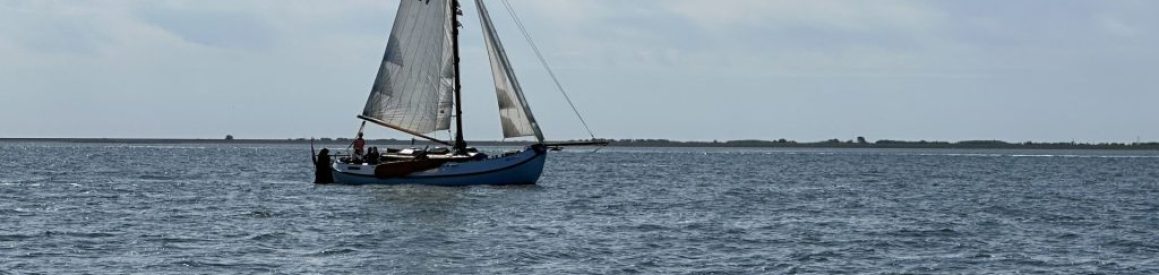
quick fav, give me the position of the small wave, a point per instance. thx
(196, 263)
(333, 252)
(156, 177)
(270, 236)
(649, 228)
(259, 214)
(1133, 245)
(945, 232)
(80, 234)
(981, 256)
(215, 266)
(16, 212)
(823, 256)
(1022, 260)
(161, 237)
(15, 237)
(1067, 236)
(171, 240)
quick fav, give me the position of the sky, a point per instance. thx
(1041, 70)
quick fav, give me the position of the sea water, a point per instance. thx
(223, 208)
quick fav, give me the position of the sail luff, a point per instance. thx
(514, 112)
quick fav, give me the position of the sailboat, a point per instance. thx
(417, 91)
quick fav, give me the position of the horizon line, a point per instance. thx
(776, 140)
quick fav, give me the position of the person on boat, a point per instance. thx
(358, 144)
(322, 173)
(372, 155)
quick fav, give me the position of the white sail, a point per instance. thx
(415, 84)
(514, 113)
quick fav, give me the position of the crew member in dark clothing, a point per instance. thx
(322, 173)
(372, 155)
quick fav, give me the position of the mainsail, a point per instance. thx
(514, 113)
(414, 89)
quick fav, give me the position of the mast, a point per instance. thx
(460, 144)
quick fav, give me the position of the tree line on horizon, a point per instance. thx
(859, 142)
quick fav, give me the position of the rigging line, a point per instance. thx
(543, 61)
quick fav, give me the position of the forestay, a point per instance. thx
(514, 113)
(415, 84)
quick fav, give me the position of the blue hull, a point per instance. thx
(523, 167)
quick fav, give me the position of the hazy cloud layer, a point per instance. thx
(809, 70)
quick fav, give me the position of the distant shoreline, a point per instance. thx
(880, 144)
